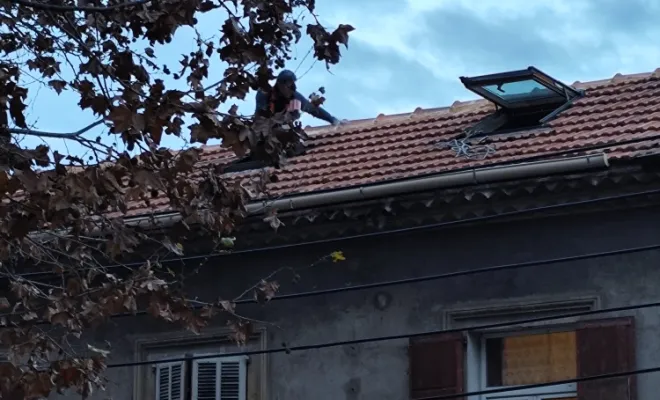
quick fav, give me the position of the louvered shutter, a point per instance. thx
(169, 381)
(603, 347)
(219, 379)
(436, 365)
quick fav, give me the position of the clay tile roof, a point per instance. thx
(407, 145)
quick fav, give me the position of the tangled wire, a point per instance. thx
(463, 147)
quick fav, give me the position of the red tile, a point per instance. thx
(394, 147)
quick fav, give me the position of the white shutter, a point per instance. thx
(233, 379)
(169, 381)
(219, 379)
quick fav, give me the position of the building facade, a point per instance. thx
(476, 360)
(521, 254)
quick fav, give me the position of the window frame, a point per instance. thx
(519, 112)
(562, 92)
(169, 344)
(542, 393)
(514, 311)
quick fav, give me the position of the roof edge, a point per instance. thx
(471, 176)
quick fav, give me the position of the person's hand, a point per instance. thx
(337, 122)
(294, 105)
(293, 109)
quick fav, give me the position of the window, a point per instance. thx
(452, 364)
(526, 359)
(205, 379)
(224, 378)
(521, 89)
(527, 89)
(525, 99)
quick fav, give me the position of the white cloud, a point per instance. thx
(567, 24)
(500, 9)
(398, 31)
(404, 31)
(631, 54)
(372, 79)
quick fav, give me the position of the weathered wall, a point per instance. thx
(379, 370)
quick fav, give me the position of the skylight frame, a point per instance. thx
(564, 92)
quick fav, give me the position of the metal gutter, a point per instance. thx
(473, 176)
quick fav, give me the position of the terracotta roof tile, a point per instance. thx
(407, 145)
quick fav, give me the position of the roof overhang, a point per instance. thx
(465, 177)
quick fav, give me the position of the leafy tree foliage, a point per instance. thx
(61, 213)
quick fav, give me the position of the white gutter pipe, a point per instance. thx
(473, 176)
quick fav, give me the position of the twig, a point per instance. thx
(304, 58)
(55, 7)
(31, 132)
(234, 314)
(256, 285)
(276, 272)
(308, 69)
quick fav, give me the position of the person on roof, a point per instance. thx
(284, 96)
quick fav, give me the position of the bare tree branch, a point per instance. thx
(66, 222)
(70, 135)
(55, 7)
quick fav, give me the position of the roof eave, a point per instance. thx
(468, 177)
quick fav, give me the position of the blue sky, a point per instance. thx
(406, 54)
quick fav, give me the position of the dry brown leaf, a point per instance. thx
(75, 203)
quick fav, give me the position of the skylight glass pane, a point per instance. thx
(521, 90)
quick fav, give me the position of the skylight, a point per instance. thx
(521, 89)
(525, 99)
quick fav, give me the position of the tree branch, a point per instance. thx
(55, 7)
(70, 135)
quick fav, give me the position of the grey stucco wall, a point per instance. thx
(379, 370)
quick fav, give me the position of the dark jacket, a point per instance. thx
(268, 104)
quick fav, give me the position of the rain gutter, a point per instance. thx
(474, 176)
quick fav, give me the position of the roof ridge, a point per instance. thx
(617, 79)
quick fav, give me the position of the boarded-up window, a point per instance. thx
(436, 366)
(604, 347)
(594, 348)
(531, 359)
